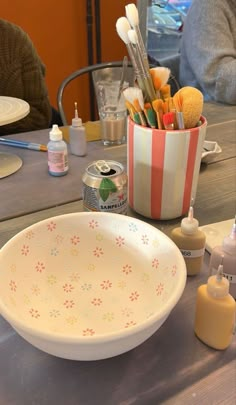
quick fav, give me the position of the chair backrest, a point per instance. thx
(72, 76)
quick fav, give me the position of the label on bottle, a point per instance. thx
(230, 277)
(191, 254)
(57, 161)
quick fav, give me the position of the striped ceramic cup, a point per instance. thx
(163, 169)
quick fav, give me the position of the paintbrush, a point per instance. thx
(160, 76)
(122, 28)
(158, 108)
(122, 79)
(150, 115)
(165, 92)
(148, 89)
(169, 120)
(23, 144)
(133, 18)
(134, 96)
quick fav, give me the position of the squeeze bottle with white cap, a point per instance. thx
(57, 153)
(78, 144)
(215, 312)
(228, 250)
(191, 242)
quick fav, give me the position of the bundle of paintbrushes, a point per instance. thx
(150, 103)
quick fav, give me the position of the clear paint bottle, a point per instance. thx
(78, 143)
(228, 250)
(57, 153)
(191, 242)
(215, 312)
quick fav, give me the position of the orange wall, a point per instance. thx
(59, 32)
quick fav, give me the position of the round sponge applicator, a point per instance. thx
(189, 100)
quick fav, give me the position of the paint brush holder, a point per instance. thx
(163, 169)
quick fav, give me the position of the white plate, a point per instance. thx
(9, 164)
(12, 109)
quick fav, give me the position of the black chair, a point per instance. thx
(82, 71)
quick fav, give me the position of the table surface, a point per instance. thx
(32, 189)
(173, 366)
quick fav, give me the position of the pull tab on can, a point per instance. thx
(102, 166)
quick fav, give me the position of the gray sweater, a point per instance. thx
(208, 51)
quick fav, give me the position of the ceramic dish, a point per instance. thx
(87, 286)
(210, 151)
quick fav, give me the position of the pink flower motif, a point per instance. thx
(134, 296)
(34, 313)
(88, 332)
(128, 324)
(75, 240)
(145, 239)
(106, 284)
(93, 224)
(174, 270)
(160, 288)
(40, 267)
(155, 263)
(13, 285)
(68, 288)
(120, 241)
(96, 302)
(69, 303)
(51, 226)
(25, 250)
(98, 252)
(127, 269)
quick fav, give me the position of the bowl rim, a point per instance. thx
(18, 324)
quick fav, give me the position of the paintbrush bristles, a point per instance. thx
(122, 28)
(161, 75)
(132, 14)
(133, 93)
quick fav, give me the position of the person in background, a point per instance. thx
(208, 49)
(22, 75)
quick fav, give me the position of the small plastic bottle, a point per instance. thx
(78, 144)
(215, 312)
(191, 242)
(57, 153)
(228, 250)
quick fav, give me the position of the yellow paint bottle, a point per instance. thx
(215, 312)
(191, 242)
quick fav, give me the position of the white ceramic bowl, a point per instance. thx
(88, 286)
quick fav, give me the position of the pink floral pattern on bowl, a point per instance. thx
(89, 274)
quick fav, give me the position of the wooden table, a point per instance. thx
(172, 367)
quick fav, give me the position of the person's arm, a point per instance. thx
(209, 41)
(28, 81)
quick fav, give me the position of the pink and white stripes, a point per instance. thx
(163, 169)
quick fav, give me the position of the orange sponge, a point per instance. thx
(190, 101)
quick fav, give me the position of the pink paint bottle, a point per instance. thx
(228, 250)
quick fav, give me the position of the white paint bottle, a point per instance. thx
(77, 142)
(228, 250)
